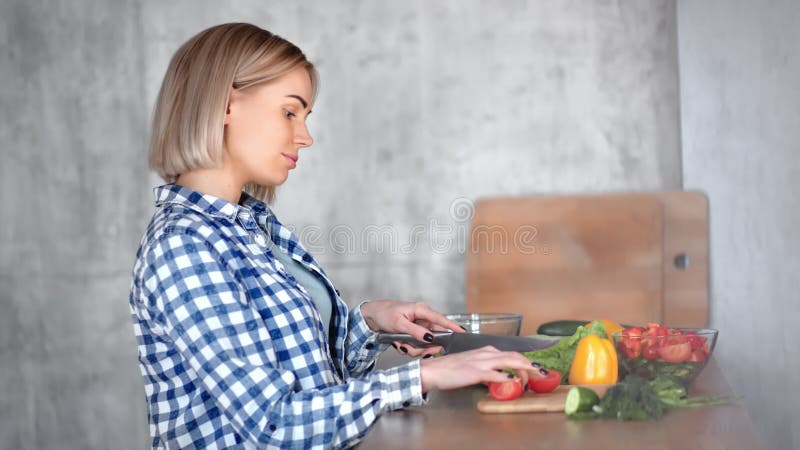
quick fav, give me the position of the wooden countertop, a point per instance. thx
(451, 421)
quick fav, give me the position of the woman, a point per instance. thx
(243, 340)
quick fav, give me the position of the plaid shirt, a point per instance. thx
(233, 351)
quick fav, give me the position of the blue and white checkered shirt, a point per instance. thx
(233, 351)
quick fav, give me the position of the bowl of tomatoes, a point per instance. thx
(656, 350)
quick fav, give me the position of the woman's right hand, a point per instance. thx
(464, 369)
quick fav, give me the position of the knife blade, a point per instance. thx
(461, 342)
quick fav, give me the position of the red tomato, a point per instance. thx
(506, 390)
(544, 380)
(649, 350)
(695, 340)
(698, 355)
(655, 335)
(675, 353)
(631, 344)
(675, 337)
(632, 331)
(630, 347)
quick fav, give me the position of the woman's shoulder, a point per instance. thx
(178, 222)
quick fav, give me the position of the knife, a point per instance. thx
(461, 342)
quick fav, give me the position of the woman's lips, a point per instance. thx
(291, 158)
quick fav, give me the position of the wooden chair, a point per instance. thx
(628, 257)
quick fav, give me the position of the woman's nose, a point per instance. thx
(303, 137)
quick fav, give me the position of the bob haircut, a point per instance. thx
(188, 121)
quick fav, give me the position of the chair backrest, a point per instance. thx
(628, 257)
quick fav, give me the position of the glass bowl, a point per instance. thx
(506, 324)
(681, 354)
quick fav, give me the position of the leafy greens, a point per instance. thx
(560, 355)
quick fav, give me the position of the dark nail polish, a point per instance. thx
(543, 372)
(403, 349)
(536, 365)
(525, 388)
(395, 347)
(428, 337)
(427, 356)
(462, 328)
(510, 376)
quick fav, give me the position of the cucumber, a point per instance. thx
(560, 327)
(580, 401)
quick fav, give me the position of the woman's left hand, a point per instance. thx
(414, 318)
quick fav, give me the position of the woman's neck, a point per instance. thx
(214, 182)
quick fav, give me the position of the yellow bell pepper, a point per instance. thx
(611, 327)
(595, 362)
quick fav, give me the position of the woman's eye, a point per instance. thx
(288, 114)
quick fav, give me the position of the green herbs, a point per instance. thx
(674, 395)
(634, 398)
(560, 355)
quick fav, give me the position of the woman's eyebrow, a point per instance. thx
(301, 99)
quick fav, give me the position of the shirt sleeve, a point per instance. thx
(198, 304)
(361, 345)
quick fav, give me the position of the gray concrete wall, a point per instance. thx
(422, 104)
(740, 116)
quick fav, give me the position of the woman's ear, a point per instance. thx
(227, 119)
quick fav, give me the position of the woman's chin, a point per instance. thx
(273, 181)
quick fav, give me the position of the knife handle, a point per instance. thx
(388, 338)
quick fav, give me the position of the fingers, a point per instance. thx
(414, 352)
(400, 347)
(483, 365)
(429, 351)
(424, 312)
(494, 362)
(420, 333)
(425, 320)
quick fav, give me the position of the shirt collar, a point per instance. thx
(216, 207)
(203, 203)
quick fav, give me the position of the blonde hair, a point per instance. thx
(188, 129)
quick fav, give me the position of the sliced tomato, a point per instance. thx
(649, 350)
(695, 340)
(630, 347)
(676, 353)
(632, 332)
(698, 355)
(506, 390)
(675, 337)
(631, 344)
(656, 331)
(544, 380)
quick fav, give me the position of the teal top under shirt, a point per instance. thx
(312, 284)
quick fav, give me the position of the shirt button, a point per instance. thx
(260, 240)
(272, 427)
(406, 404)
(369, 346)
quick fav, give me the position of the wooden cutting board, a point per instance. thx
(531, 402)
(598, 256)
